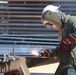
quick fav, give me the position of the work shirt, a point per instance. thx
(68, 59)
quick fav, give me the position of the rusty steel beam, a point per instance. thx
(21, 16)
(11, 66)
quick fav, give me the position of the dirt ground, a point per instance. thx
(47, 67)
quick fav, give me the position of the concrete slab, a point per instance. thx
(44, 68)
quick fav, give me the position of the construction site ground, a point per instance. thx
(43, 67)
(47, 67)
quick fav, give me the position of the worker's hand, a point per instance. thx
(64, 46)
(46, 53)
(70, 40)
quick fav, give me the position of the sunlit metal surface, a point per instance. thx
(3, 1)
(26, 45)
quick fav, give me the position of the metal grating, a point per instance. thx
(21, 27)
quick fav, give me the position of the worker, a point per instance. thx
(53, 17)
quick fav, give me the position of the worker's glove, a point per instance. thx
(70, 40)
(47, 53)
(65, 44)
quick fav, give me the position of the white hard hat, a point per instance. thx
(49, 13)
(50, 8)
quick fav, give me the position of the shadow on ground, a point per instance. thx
(39, 62)
(42, 74)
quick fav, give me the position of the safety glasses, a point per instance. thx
(48, 25)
